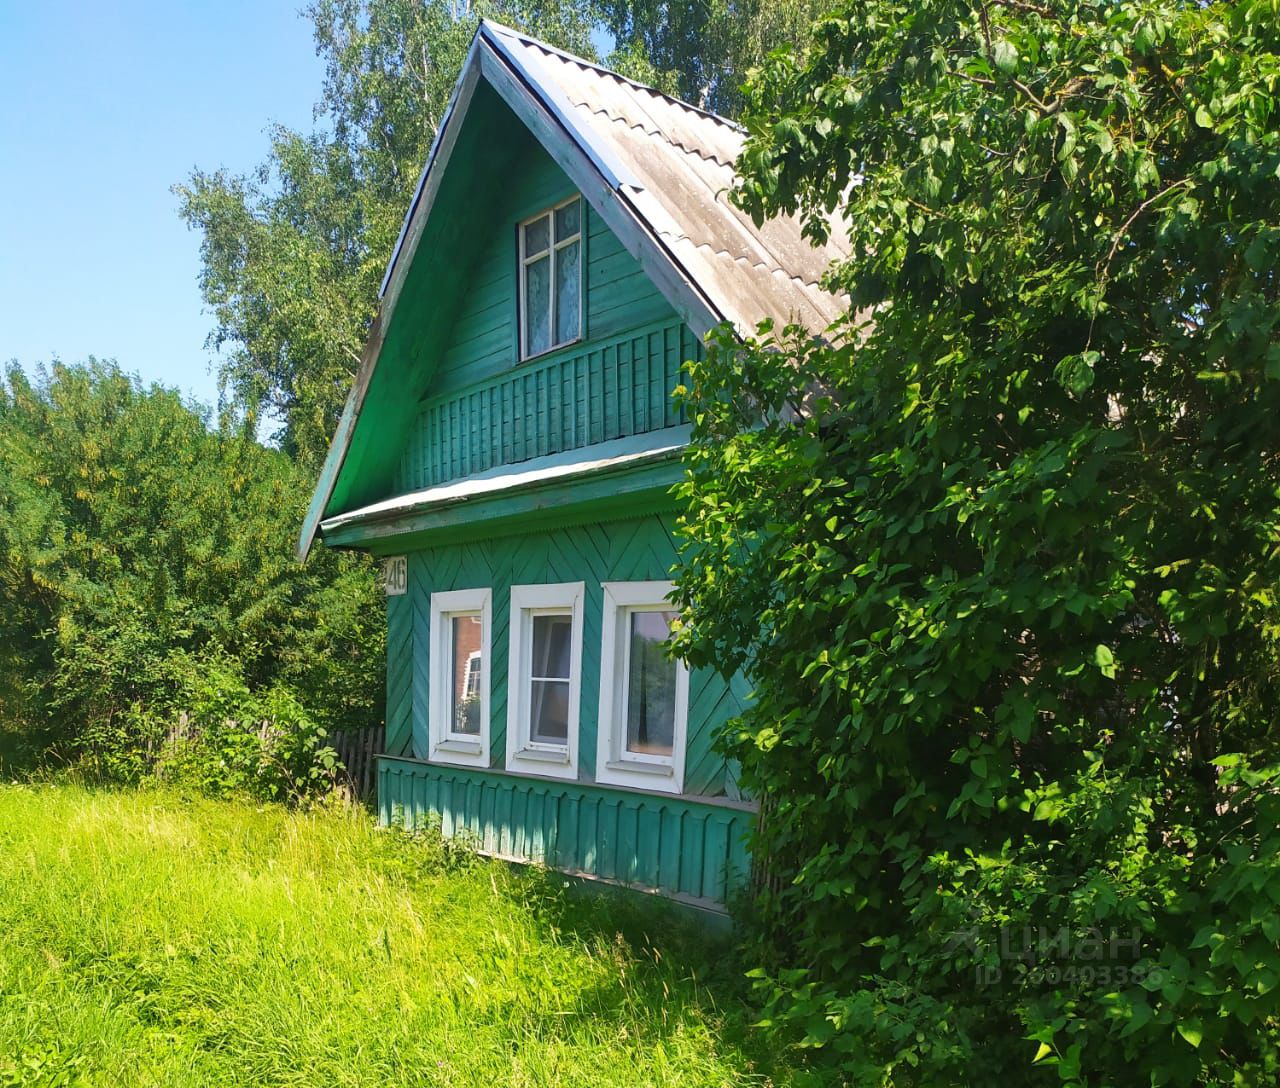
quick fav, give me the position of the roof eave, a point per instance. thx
(628, 489)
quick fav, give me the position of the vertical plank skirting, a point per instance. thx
(675, 845)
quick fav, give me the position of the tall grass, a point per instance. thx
(151, 939)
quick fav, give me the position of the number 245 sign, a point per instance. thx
(395, 575)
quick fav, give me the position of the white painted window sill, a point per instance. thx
(460, 747)
(624, 766)
(542, 755)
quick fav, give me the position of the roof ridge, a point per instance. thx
(582, 62)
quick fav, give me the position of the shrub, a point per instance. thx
(138, 540)
(231, 741)
(1001, 555)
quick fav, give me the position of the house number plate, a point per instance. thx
(395, 575)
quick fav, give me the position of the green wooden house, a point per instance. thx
(508, 447)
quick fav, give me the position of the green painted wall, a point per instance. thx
(638, 549)
(681, 847)
(483, 341)
(481, 409)
(572, 398)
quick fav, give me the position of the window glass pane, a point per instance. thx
(568, 284)
(651, 685)
(465, 662)
(549, 706)
(537, 306)
(537, 236)
(567, 220)
(551, 643)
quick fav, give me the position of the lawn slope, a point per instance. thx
(147, 939)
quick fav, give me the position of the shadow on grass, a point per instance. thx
(672, 971)
(677, 970)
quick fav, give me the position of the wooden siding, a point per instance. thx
(670, 844)
(400, 663)
(573, 398)
(482, 409)
(483, 341)
(636, 549)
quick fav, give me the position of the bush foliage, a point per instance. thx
(147, 568)
(1003, 556)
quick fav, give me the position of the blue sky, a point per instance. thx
(104, 106)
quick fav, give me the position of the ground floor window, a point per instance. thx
(458, 713)
(644, 694)
(544, 678)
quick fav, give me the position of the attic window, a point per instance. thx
(551, 278)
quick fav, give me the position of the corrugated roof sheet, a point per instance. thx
(675, 167)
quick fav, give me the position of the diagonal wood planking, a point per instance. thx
(674, 844)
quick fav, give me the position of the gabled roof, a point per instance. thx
(656, 170)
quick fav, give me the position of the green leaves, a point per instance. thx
(1075, 373)
(1192, 1031)
(1033, 556)
(1005, 56)
(1105, 660)
(137, 540)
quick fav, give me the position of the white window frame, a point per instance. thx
(446, 746)
(471, 675)
(556, 244)
(523, 753)
(615, 766)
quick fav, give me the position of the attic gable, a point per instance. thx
(654, 170)
(673, 165)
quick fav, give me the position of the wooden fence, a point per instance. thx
(358, 750)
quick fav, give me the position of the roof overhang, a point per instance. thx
(621, 478)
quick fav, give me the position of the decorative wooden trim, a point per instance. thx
(613, 767)
(490, 422)
(444, 745)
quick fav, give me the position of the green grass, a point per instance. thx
(150, 939)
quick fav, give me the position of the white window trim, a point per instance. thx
(469, 673)
(446, 746)
(614, 765)
(556, 244)
(551, 760)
